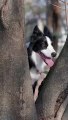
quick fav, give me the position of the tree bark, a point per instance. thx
(55, 89)
(53, 17)
(16, 96)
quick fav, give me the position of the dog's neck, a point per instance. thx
(40, 26)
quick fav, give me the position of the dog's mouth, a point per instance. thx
(49, 61)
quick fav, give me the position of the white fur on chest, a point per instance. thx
(40, 64)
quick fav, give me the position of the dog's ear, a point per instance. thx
(36, 31)
(35, 34)
(48, 33)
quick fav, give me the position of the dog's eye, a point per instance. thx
(52, 43)
(46, 44)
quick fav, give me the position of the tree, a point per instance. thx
(53, 98)
(16, 97)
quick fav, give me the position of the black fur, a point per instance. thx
(38, 42)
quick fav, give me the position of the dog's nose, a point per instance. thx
(53, 54)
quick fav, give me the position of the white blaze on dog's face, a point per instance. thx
(49, 51)
(43, 46)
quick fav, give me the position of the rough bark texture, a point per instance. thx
(55, 84)
(16, 97)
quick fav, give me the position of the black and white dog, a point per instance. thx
(41, 54)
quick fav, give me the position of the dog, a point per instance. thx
(41, 54)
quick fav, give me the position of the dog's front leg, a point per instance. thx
(39, 82)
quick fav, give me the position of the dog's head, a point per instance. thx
(42, 44)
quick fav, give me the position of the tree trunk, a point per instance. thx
(53, 17)
(16, 97)
(55, 90)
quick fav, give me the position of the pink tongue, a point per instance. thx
(49, 62)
